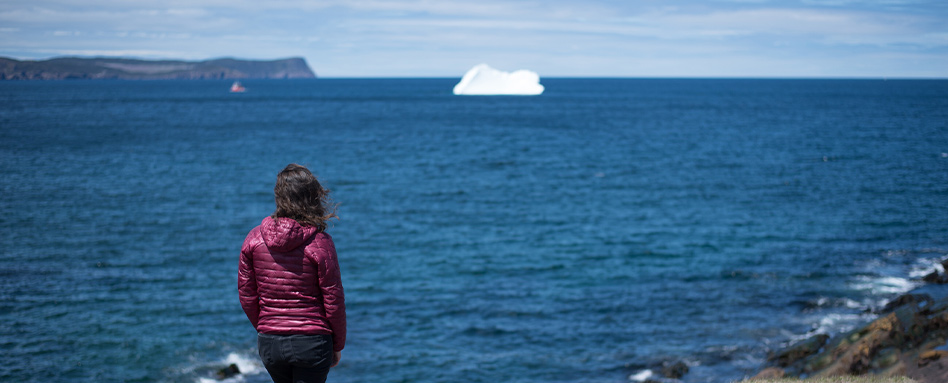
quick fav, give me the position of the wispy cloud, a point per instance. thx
(427, 37)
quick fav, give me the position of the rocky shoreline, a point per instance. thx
(907, 339)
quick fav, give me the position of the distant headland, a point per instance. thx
(131, 69)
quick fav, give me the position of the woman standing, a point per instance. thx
(289, 282)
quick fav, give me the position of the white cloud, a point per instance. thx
(824, 25)
(821, 27)
(430, 37)
(143, 53)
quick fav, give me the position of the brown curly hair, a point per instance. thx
(300, 196)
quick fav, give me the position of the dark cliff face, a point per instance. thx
(128, 69)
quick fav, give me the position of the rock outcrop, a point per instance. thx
(907, 339)
(674, 370)
(128, 69)
(228, 372)
(936, 277)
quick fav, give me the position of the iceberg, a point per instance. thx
(483, 80)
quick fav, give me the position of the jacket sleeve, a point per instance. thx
(247, 280)
(330, 285)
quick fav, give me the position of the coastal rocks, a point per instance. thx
(876, 348)
(936, 277)
(908, 339)
(228, 372)
(800, 350)
(921, 300)
(930, 356)
(674, 370)
(670, 372)
(770, 373)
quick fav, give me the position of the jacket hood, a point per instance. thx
(284, 234)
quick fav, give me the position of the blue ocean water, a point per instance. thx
(584, 235)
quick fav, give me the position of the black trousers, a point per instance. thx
(296, 358)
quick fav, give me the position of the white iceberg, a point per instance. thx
(483, 80)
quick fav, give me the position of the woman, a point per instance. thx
(289, 282)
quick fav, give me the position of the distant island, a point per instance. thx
(131, 69)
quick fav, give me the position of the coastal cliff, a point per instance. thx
(131, 69)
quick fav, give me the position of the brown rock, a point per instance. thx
(929, 356)
(885, 358)
(908, 341)
(770, 373)
(937, 321)
(936, 371)
(855, 356)
(931, 344)
(800, 350)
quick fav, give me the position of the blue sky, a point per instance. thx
(444, 38)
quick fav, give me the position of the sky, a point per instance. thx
(445, 38)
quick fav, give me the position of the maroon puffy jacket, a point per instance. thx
(289, 283)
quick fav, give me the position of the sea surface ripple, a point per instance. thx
(584, 235)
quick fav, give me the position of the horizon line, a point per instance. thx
(676, 77)
(644, 77)
(783, 78)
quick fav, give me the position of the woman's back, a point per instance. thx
(294, 269)
(289, 282)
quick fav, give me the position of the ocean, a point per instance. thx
(589, 234)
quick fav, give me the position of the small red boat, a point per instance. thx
(237, 88)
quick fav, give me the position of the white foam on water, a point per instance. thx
(925, 266)
(482, 80)
(884, 285)
(834, 323)
(851, 304)
(233, 379)
(641, 376)
(248, 365)
(829, 324)
(826, 302)
(878, 291)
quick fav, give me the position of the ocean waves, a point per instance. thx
(604, 229)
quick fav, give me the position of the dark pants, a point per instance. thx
(296, 358)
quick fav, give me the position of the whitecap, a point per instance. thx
(835, 323)
(851, 304)
(884, 285)
(641, 376)
(247, 365)
(925, 266)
